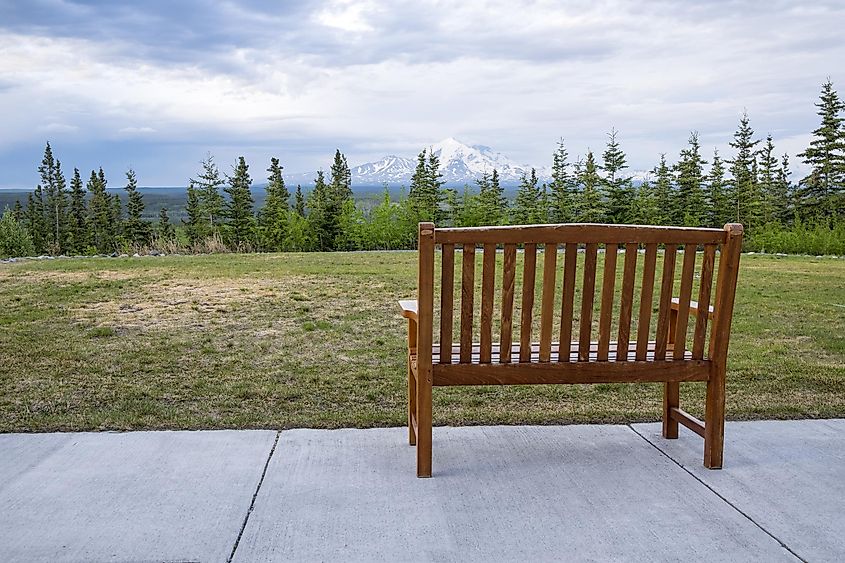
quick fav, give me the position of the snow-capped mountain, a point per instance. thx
(459, 163)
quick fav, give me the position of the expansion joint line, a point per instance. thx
(715, 492)
(254, 496)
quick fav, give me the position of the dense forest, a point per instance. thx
(752, 187)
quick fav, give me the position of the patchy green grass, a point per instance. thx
(293, 340)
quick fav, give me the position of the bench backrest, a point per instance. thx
(646, 295)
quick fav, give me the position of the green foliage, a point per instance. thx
(816, 238)
(744, 193)
(210, 204)
(240, 222)
(590, 206)
(272, 219)
(563, 187)
(492, 203)
(822, 192)
(426, 192)
(164, 229)
(527, 208)
(54, 202)
(78, 219)
(617, 187)
(299, 205)
(718, 211)
(136, 230)
(690, 174)
(100, 214)
(644, 210)
(14, 237)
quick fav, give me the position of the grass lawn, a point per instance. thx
(316, 340)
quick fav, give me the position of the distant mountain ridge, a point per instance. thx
(459, 163)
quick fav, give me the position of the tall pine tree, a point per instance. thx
(238, 210)
(744, 192)
(77, 221)
(527, 208)
(617, 187)
(135, 229)
(590, 204)
(272, 219)
(690, 174)
(562, 187)
(822, 192)
(718, 204)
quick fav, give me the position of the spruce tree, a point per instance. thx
(718, 204)
(77, 221)
(238, 209)
(320, 214)
(211, 202)
(341, 178)
(426, 192)
(562, 187)
(664, 193)
(17, 211)
(272, 219)
(34, 222)
(590, 205)
(822, 192)
(690, 178)
(617, 187)
(136, 229)
(645, 211)
(773, 201)
(116, 219)
(784, 191)
(54, 201)
(100, 232)
(164, 229)
(299, 201)
(194, 214)
(744, 193)
(527, 207)
(492, 203)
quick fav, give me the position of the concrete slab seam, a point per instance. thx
(712, 490)
(254, 496)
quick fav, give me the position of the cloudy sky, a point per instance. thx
(157, 84)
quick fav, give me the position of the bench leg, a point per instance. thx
(671, 399)
(714, 419)
(423, 421)
(412, 382)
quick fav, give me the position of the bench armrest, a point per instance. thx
(693, 307)
(409, 308)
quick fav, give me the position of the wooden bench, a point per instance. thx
(680, 350)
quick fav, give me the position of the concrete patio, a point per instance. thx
(498, 493)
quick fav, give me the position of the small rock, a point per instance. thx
(124, 256)
(136, 255)
(155, 253)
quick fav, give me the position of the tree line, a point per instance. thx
(753, 187)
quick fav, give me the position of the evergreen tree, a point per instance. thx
(14, 238)
(617, 187)
(426, 187)
(492, 203)
(100, 232)
(718, 204)
(744, 193)
(195, 215)
(322, 214)
(773, 201)
(784, 191)
(341, 183)
(469, 210)
(590, 205)
(17, 212)
(562, 187)
(272, 219)
(77, 221)
(238, 209)
(822, 192)
(34, 222)
(211, 203)
(165, 229)
(664, 193)
(645, 211)
(136, 229)
(527, 205)
(54, 201)
(690, 169)
(299, 202)
(116, 224)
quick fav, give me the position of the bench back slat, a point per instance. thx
(567, 305)
(508, 282)
(547, 307)
(705, 283)
(529, 272)
(607, 295)
(662, 335)
(626, 305)
(646, 300)
(488, 279)
(585, 322)
(447, 301)
(467, 296)
(687, 273)
(580, 233)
